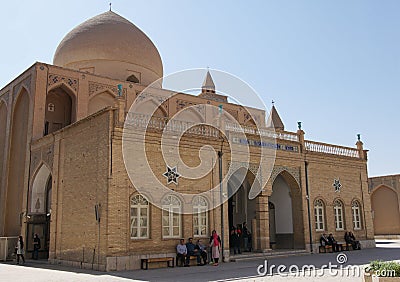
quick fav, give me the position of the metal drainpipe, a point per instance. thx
(308, 207)
(220, 153)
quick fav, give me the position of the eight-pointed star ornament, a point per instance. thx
(172, 175)
(337, 185)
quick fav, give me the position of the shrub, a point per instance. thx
(384, 268)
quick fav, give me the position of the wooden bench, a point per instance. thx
(146, 261)
(192, 258)
(347, 247)
(324, 249)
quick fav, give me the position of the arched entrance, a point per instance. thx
(40, 211)
(60, 109)
(286, 214)
(240, 208)
(385, 208)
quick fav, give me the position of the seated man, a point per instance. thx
(333, 243)
(203, 251)
(181, 253)
(355, 243)
(323, 240)
(191, 251)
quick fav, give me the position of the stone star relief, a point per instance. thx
(172, 175)
(337, 185)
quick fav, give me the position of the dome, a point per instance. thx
(111, 46)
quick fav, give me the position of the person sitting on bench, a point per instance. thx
(192, 251)
(332, 242)
(355, 243)
(323, 241)
(181, 253)
(203, 251)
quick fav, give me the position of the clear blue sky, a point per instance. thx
(334, 65)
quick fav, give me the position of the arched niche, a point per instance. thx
(385, 208)
(60, 109)
(16, 173)
(3, 138)
(38, 195)
(100, 101)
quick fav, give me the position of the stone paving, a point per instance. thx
(34, 271)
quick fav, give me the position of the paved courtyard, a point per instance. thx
(235, 271)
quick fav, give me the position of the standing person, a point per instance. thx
(215, 243)
(246, 233)
(235, 241)
(20, 249)
(36, 246)
(181, 252)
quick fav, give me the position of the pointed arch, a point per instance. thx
(150, 106)
(38, 191)
(63, 86)
(3, 139)
(100, 101)
(60, 108)
(21, 91)
(287, 198)
(189, 114)
(385, 210)
(17, 162)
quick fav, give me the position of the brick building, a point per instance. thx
(385, 204)
(63, 172)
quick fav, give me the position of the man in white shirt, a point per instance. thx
(181, 252)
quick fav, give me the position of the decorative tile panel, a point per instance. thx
(55, 78)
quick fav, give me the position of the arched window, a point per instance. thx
(338, 211)
(356, 211)
(139, 217)
(319, 215)
(171, 217)
(200, 216)
(133, 78)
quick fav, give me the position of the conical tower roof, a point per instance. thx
(208, 83)
(274, 120)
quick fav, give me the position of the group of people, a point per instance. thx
(20, 250)
(198, 250)
(331, 241)
(239, 235)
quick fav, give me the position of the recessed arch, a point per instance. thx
(60, 108)
(38, 194)
(189, 114)
(150, 106)
(100, 101)
(17, 161)
(287, 200)
(385, 209)
(3, 131)
(133, 78)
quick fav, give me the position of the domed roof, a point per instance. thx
(110, 45)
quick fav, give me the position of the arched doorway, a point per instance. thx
(241, 209)
(385, 208)
(285, 214)
(60, 109)
(40, 211)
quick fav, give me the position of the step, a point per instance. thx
(268, 254)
